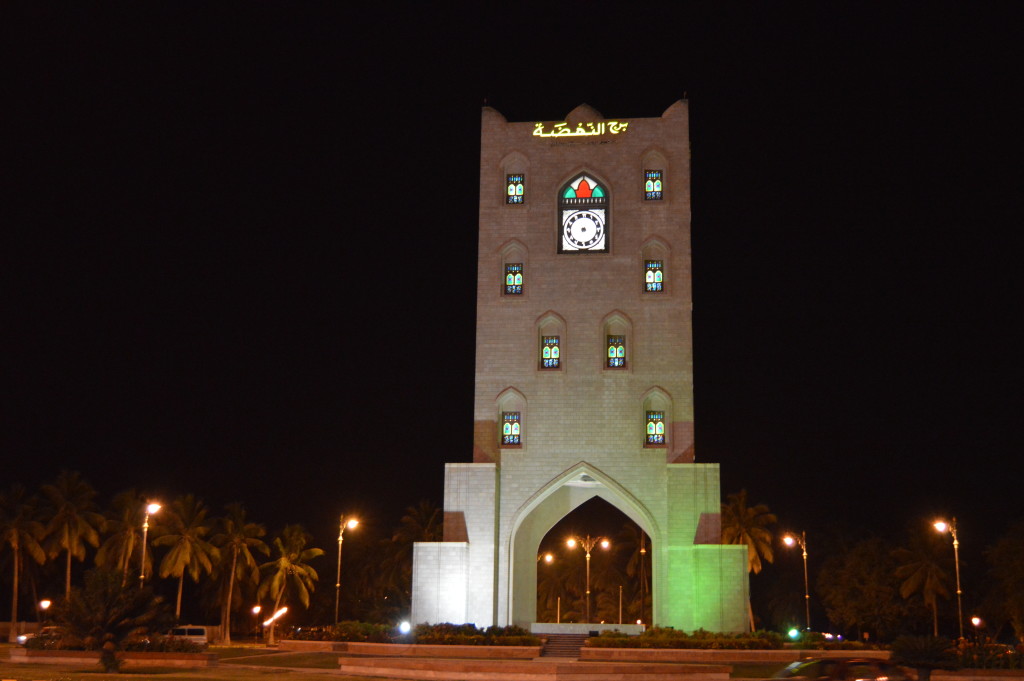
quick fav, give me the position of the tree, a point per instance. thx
(236, 540)
(184, 528)
(1006, 558)
(422, 522)
(73, 521)
(743, 524)
(105, 616)
(22, 533)
(123, 535)
(920, 572)
(635, 541)
(859, 588)
(289, 569)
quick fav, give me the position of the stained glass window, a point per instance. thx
(550, 355)
(652, 185)
(514, 189)
(513, 278)
(616, 352)
(655, 428)
(510, 428)
(654, 276)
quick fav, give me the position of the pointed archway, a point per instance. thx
(620, 571)
(566, 492)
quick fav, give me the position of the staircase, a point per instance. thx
(563, 645)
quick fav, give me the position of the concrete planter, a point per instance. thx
(131, 660)
(415, 650)
(692, 655)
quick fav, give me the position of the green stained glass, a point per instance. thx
(570, 193)
(598, 192)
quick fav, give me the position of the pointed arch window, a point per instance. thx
(616, 352)
(511, 429)
(655, 429)
(583, 216)
(654, 276)
(652, 185)
(515, 188)
(550, 352)
(513, 278)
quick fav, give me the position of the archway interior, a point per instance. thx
(626, 563)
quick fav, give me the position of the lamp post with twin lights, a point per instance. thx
(588, 543)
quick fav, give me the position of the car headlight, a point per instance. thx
(22, 638)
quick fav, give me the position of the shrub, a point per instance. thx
(657, 637)
(468, 635)
(924, 653)
(989, 655)
(361, 632)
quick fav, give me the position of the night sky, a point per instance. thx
(239, 245)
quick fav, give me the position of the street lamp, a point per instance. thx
(350, 523)
(588, 544)
(793, 540)
(150, 510)
(943, 526)
(256, 620)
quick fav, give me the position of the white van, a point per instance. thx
(191, 632)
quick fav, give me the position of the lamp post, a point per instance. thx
(350, 523)
(588, 544)
(943, 526)
(256, 622)
(793, 540)
(150, 510)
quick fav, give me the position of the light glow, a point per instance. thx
(277, 614)
(941, 525)
(404, 627)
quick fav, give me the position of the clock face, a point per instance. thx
(583, 230)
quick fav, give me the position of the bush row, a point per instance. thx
(657, 637)
(436, 634)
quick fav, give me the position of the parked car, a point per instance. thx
(842, 669)
(191, 632)
(49, 631)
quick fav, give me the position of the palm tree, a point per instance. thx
(237, 539)
(123, 534)
(20, 531)
(743, 524)
(289, 568)
(184, 529)
(422, 522)
(921, 572)
(635, 541)
(73, 520)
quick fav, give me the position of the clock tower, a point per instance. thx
(584, 375)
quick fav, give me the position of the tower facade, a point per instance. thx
(584, 373)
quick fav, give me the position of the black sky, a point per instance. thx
(239, 247)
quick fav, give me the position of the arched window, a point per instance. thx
(583, 216)
(657, 410)
(551, 336)
(616, 329)
(654, 254)
(513, 268)
(511, 408)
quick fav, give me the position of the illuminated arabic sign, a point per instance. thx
(582, 129)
